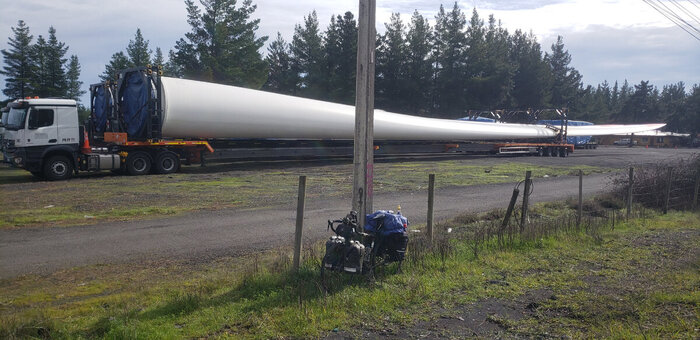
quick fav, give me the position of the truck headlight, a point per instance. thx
(18, 160)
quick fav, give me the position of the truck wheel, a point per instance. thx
(138, 163)
(58, 168)
(540, 152)
(167, 162)
(563, 152)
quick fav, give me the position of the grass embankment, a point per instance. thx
(637, 280)
(104, 197)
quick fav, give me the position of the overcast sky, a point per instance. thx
(608, 39)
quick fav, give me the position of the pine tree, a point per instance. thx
(566, 80)
(692, 107)
(418, 65)
(171, 69)
(55, 60)
(308, 58)
(137, 50)
(496, 80)
(17, 69)
(672, 106)
(341, 58)
(118, 62)
(449, 46)
(222, 46)
(531, 80)
(475, 60)
(642, 105)
(74, 85)
(158, 59)
(391, 66)
(281, 77)
(40, 67)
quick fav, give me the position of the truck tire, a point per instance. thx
(564, 152)
(58, 168)
(138, 163)
(167, 162)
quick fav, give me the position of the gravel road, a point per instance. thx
(209, 234)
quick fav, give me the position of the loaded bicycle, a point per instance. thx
(354, 250)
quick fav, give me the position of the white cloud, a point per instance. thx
(94, 30)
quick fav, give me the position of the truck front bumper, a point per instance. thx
(18, 158)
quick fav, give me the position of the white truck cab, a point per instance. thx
(42, 136)
(3, 120)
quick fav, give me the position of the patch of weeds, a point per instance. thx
(589, 289)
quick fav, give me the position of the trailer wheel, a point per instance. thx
(167, 162)
(540, 151)
(563, 152)
(58, 168)
(138, 163)
(554, 152)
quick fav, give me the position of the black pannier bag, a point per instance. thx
(394, 245)
(335, 252)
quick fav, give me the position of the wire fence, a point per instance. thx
(671, 186)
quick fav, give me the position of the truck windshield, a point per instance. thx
(15, 119)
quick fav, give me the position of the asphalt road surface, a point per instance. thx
(211, 234)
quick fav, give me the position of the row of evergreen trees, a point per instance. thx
(39, 68)
(441, 71)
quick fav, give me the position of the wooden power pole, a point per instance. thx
(363, 161)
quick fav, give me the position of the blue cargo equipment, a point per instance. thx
(478, 119)
(134, 103)
(102, 106)
(570, 140)
(386, 222)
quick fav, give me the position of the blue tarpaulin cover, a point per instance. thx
(393, 223)
(571, 140)
(134, 104)
(102, 105)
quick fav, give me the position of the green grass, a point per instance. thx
(638, 282)
(10, 175)
(93, 199)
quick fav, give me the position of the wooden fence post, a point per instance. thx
(431, 201)
(629, 193)
(668, 190)
(526, 200)
(580, 198)
(511, 206)
(300, 222)
(696, 193)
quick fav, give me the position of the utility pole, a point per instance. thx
(363, 161)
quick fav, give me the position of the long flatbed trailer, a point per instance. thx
(539, 149)
(289, 149)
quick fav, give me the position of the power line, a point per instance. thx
(669, 17)
(678, 17)
(686, 11)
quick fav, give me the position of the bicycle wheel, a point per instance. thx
(377, 263)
